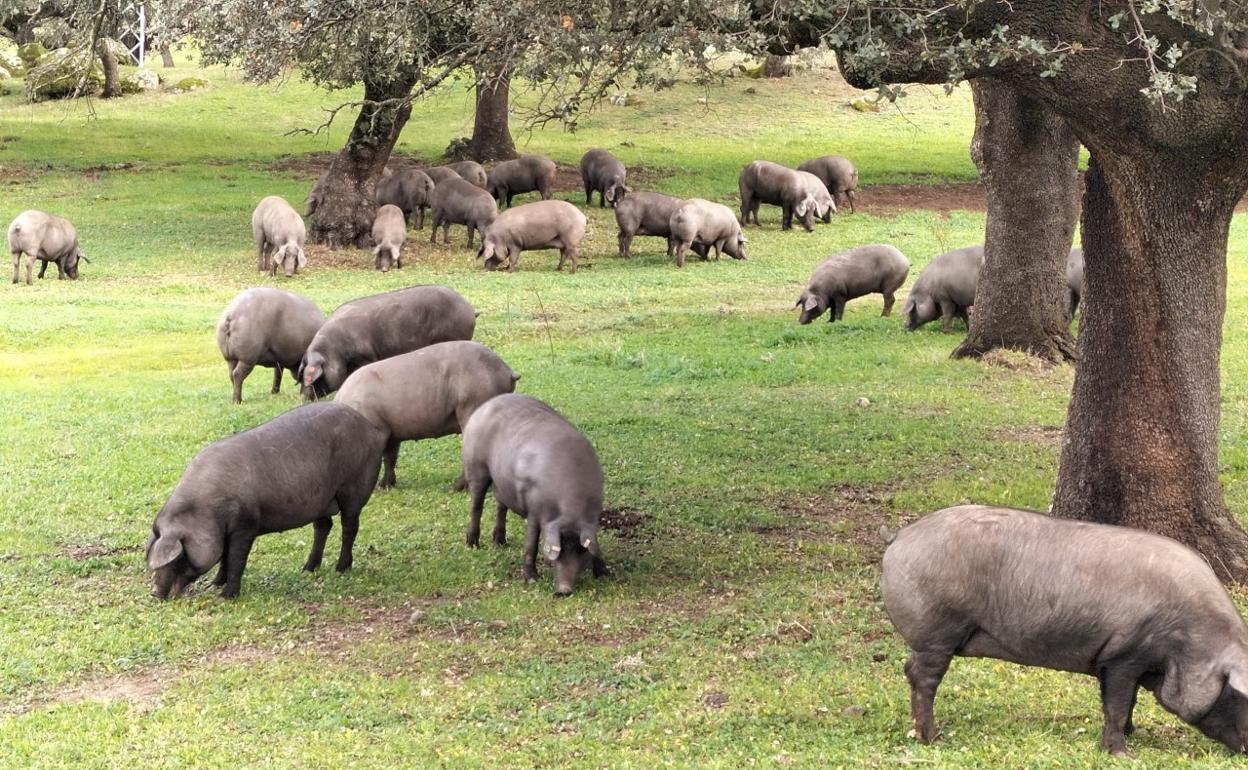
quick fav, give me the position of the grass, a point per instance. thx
(742, 628)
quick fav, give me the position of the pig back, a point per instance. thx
(396, 322)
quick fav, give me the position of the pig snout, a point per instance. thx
(567, 569)
(168, 583)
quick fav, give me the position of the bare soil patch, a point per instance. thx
(626, 523)
(1030, 434)
(946, 197)
(84, 551)
(854, 515)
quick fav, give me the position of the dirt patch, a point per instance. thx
(84, 551)
(626, 523)
(854, 515)
(16, 175)
(715, 700)
(1030, 434)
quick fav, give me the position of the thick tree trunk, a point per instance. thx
(341, 205)
(112, 75)
(166, 56)
(1028, 162)
(1141, 446)
(491, 134)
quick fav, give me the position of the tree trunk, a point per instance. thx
(491, 135)
(775, 66)
(166, 56)
(1141, 445)
(1028, 162)
(342, 205)
(112, 76)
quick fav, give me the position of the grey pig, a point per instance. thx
(389, 233)
(458, 201)
(427, 393)
(851, 274)
(533, 226)
(471, 171)
(266, 327)
(603, 172)
(372, 328)
(838, 175)
(279, 234)
(46, 238)
(440, 174)
(1074, 278)
(765, 182)
(645, 213)
(408, 189)
(301, 467)
(528, 173)
(1131, 608)
(545, 470)
(701, 223)
(945, 289)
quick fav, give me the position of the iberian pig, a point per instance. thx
(701, 225)
(266, 327)
(604, 173)
(533, 226)
(645, 213)
(46, 238)
(945, 289)
(528, 173)
(389, 233)
(765, 182)
(458, 201)
(471, 171)
(838, 175)
(427, 393)
(1129, 607)
(409, 189)
(545, 470)
(851, 274)
(372, 328)
(279, 234)
(301, 467)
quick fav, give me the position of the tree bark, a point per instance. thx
(776, 66)
(1141, 443)
(166, 56)
(112, 75)
(491, 134)
(342, 205)
(1028, 162)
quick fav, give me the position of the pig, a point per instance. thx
(839, 177)
(300, 468)
(266, 327)
(603, 172)
(372, 328)
(46, 238)
(645, 213)
(765, 182)
(1074, 278)
(524, 174)
(458, 201)
(279, 233)
(851, 274)
(1131, 608)
(545, 470)
(427, 393)
(533, 226)
(408, 189)
(389, 233)
(440, 174)
(471, 171)
(699, 222)
(945, 289)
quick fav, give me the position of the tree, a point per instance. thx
(491, 132)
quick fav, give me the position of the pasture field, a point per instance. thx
(745, 487)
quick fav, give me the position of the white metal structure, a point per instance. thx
(134, 28)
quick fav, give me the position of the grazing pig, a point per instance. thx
(383, 325)
(471, 171)
(1074, 278)
(458, 201)
(46, 238)
(1131, 608)
(533, 226)
(408, 189)
(603, 172)
(702, 225)
(524, 174)
(279, 233)
(544, 469)
(765, 182)
(851, 274)
(427, 393)
(838, 175)
(645, 213)
(440, 174)
(299, 468)
(266, 327)
(389, 233)
(945, 289)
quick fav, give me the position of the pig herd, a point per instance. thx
(1132, 609)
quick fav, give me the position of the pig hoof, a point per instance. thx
(229, 592)
(342, 566)
(500, 540)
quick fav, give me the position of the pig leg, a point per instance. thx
(471, 231)
(531, 533)
(947, 312)
(838, 308)
(237, 375)
(746, 202)
(786, 219)
(219, 580)
(43, 268)
(1119, 687)
(420, 217)
(350, 526)
(389, 457)
(320, 533)
(888, 303)
(626, 242)
(277, 380)
(433, 235)
(849, 196)
(589, 193)
(17, 262)
(680, 253)
(30, 267)
(924, 670)
(500, 524)
(473, 536)
(237, 551)
(671, 245)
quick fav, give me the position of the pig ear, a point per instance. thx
(1237, 680)
(163, 551)
(801, 207)
(811, 303)
(589, 541)
(551, 536)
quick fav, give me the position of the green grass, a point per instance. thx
(742, 626)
